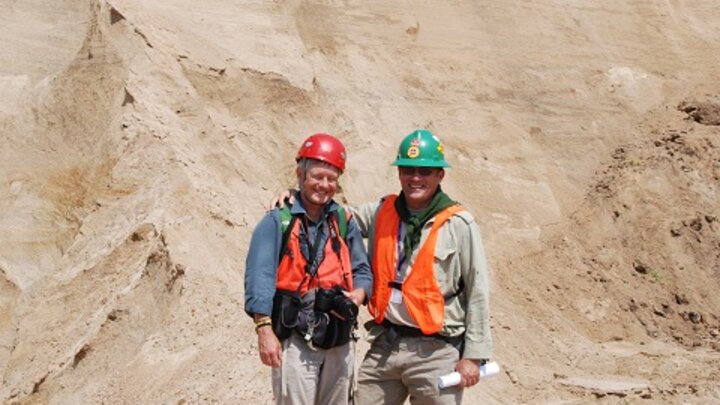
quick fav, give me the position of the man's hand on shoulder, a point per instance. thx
(280, 199)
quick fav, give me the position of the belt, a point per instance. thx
(409, 331)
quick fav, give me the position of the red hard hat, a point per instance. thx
(325, 148)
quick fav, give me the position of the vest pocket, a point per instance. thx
(286, 306)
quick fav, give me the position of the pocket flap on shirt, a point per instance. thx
(442, 253)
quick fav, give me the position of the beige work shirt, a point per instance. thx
(459, 255)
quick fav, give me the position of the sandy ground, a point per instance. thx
(140, 142)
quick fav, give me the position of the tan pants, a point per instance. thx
(408, 366)
(310, 376)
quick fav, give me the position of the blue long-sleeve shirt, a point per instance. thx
(264, 255)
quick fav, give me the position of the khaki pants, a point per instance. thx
(408, 366)
(310, 376)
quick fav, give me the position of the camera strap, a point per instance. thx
(313, 248)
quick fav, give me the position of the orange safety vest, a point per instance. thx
(333, 270)
(420, 290)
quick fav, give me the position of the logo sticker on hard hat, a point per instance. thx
(441, 149)
(415, 142)
(413, 152)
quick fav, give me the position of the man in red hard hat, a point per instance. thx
(306, 274)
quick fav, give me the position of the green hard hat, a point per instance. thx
(421, 149)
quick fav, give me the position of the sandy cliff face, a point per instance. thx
(141, 141)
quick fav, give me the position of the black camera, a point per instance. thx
(333, 299)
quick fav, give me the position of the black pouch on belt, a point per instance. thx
(332, 333)
(286, 305)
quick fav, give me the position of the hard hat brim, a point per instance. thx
(420, 163)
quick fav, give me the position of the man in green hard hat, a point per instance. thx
(430, 300)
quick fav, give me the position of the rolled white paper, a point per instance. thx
(449, 380)
(489, 369)
(486, 370)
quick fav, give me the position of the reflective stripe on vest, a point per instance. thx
(420, 290)
(332, 271)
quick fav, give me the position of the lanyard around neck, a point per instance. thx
(313, 248)
(401, 253)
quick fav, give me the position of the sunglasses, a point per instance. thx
(422, 171)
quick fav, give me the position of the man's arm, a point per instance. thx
(261, 265)
(478, 342)
(260, 273)
(362, 276)
(364, 214)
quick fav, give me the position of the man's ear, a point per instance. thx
(441, 174)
